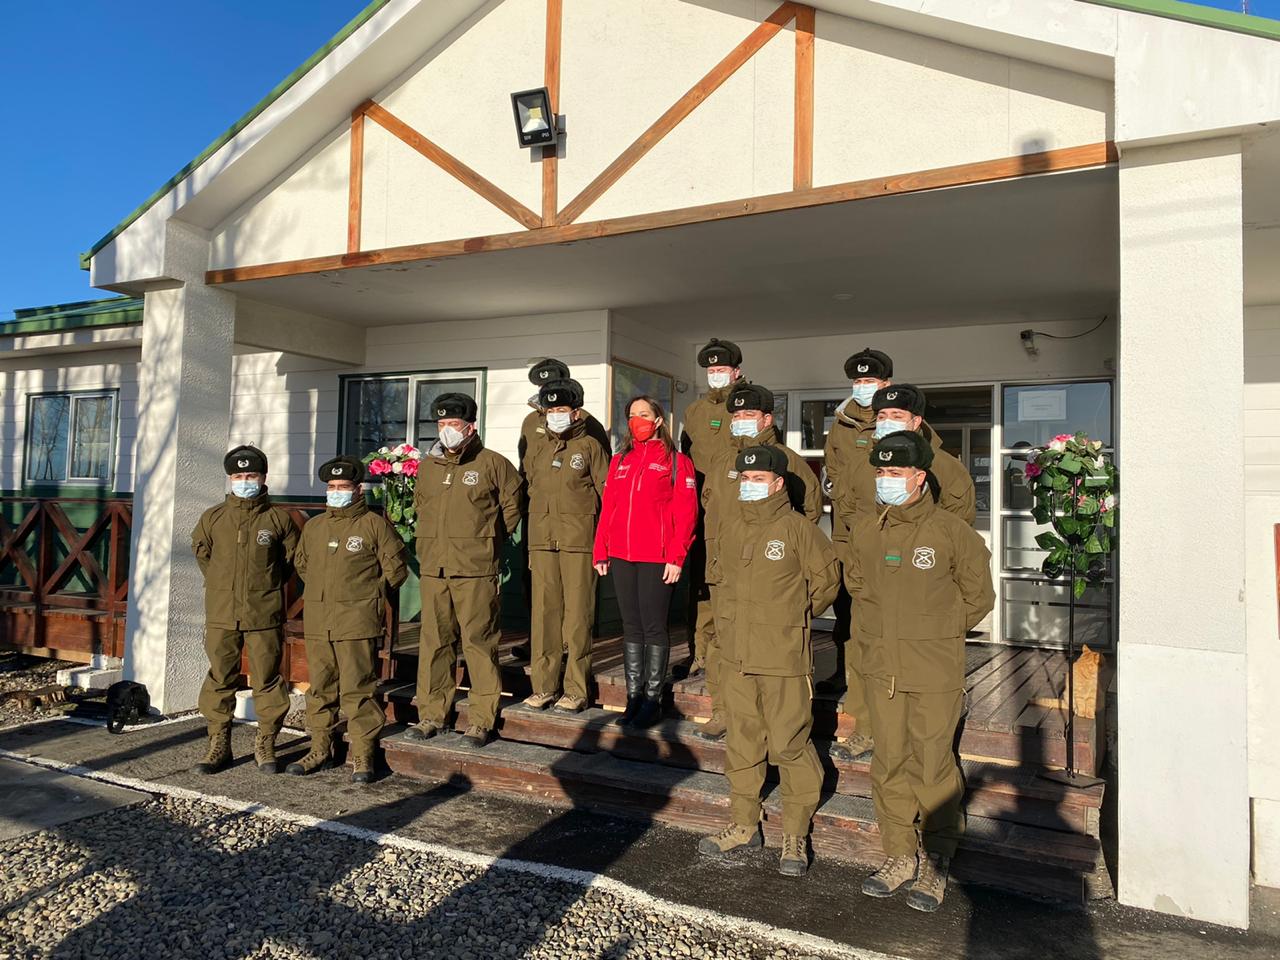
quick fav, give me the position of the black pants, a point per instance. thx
(643, 600)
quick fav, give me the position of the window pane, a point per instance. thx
(376, 415)
(980, 466)
(91, 439)
(816, 418)
(1034, 415)
(1036, 611)
(47, 439)
(629, 382)
(425, 432)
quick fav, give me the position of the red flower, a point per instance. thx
(410, 468)
(378, 467)
(1033, 470)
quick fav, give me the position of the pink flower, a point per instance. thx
(1033, 470)
(1063, 437)
(410, 468)
(378, 467)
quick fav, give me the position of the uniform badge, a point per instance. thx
(749, 458)
(577, 461)
(242, 463)
(891, 395)
(863, 368)
(733, 474)
(355, 544)
(775, 550)
(923, 558)
(885, 455)
(713, 360)
(471, 478)
(739, 401)
(544, 374)
(264, 538)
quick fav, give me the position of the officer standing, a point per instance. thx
(542, 374)
(749, 409)
(776, 572)
(565, 469)
(345, 557)
(921, 579)
(848, 443)
(468, 501)
(704, 437)
(244, 547)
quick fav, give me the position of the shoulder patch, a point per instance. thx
(775, 550)
(265, 537)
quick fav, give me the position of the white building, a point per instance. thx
(931, 179)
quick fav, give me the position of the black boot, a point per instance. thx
(633, 671)
(655, 678)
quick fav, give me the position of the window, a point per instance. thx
(70, 437)
(383, 411)
(631, 380)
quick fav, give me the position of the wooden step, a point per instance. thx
(1021, 858)
(1012, 793)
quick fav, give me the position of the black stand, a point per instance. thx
(1070, 776)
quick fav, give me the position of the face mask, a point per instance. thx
(863, 392)
(642, 429)
(339, 498)
(559, 422)
(246, 489)
(744, 428)
(752, 490)
(886, 427)
(893, 491)
(452, 437)
(718, 381)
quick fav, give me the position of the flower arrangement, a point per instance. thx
(1074, 485)
(397, 469)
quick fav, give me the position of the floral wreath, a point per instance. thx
(397, 469)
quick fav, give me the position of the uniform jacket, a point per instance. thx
(850, 439)
(535, 427)
(245, 549)
(647, 515)
(920, 579)
(855, 494)
(466, 503)
(565, 474)
(345, 556)
(706, 428)
(720, 491)
(777, 571)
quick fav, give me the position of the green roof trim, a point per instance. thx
(356, 23)
(1201, 16)
(111, 312)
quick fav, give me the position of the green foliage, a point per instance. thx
(1074, 484)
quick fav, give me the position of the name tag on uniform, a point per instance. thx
(333, 546)
(862, 443)
(715, 424)
(893, 558)
(556, 464)
(448, 478)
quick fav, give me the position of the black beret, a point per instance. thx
(455, 406)
(720, 353)
(869, 363)
(906, 448)
(899, 396)
(772, 459)
(561, 393)
(342, 468)
(244, 459)
(750, 396)
(547, 371)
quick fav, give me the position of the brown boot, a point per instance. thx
(264, 752)
(893, 875)
(794, 861)
(218, 755)
(316, 759)
(931, 883)
(856, 747)
(362, 768)
(714, 728)
(732, 837)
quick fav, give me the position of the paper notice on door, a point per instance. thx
(1042, 405)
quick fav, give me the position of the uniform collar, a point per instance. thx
(251, 504)
(357, 508)
(767, 439)
(464, 453)
(770, 508)
(721, 394)
(576, 429)
(915, 512)
(852, 414)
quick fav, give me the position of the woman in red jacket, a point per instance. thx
(647, 517)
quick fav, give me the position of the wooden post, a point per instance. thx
(551, 78)
(806, 18)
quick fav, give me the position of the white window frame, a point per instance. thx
(414, 377)
(74, 397)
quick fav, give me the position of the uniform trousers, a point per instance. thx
(342, 674)
(453, 608)
(218, 694)
(915, 779)
(770, 719)
(855, 691)
(705, 636)
(564, 606)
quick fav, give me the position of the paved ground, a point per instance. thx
(657, 860)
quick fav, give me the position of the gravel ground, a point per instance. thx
(198, 881)
(18, 671)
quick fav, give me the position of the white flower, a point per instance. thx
(397, 467)
(1109, 502)
(1058, 446)
(415, 455)
(1098, 462)
(399, 449)
(384, 450)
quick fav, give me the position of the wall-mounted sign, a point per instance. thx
(1042, 405)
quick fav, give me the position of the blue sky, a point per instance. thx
(112, 98)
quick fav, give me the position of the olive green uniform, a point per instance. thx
(853, 495)
(345, 557)
(705, 436)
(776, 571)
(535, 427)
(245, 548)
(722, 512)
(566, 474)
(467, 502)
(921, 579)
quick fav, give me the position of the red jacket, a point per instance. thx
(644, 516)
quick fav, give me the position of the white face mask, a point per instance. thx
(718, 381)
(863, 392)
(246, 489)
(886, 427)
(339, 498)
(752, 490)
(559, 422)
(451, 437)
(744, 428)
(892, 491)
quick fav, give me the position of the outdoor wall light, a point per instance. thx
(536, 125)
